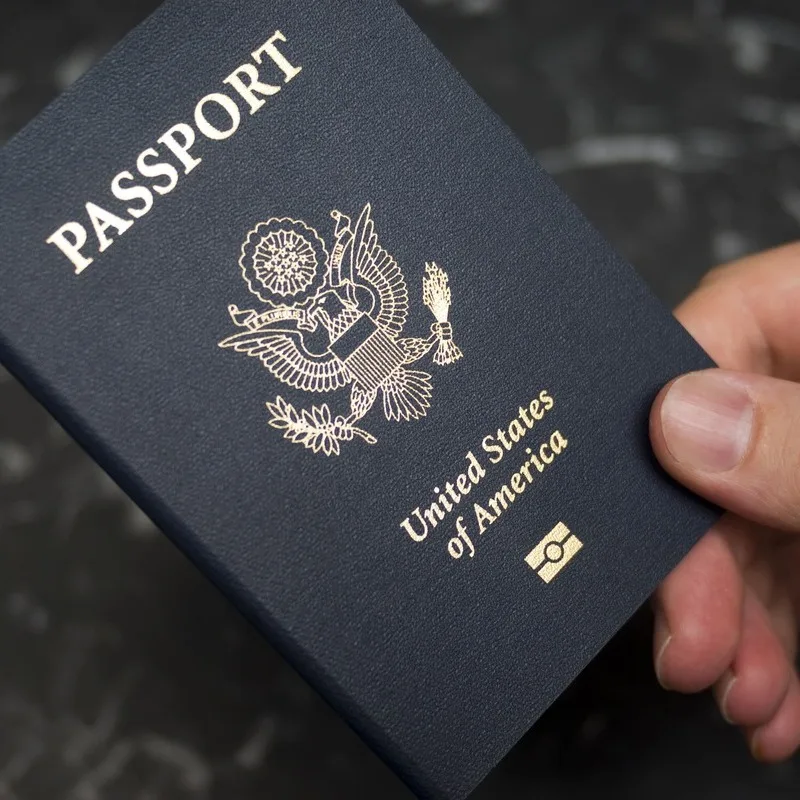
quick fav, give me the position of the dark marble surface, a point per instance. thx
(125, 676)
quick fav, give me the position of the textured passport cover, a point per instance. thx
(309, 302)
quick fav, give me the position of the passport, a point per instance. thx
(309, 302)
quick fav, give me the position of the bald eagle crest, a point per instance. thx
(335, 319)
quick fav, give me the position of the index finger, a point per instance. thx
(746, 315)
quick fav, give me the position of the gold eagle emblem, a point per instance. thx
(335, 319)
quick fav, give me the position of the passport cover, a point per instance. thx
(306, 299)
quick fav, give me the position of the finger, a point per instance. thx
(698, 616)
(784, 623)
(779, 738)
(745, 314)
(735, 439)
(757, 682)
(769, 567)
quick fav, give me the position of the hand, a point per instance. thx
(727, 617)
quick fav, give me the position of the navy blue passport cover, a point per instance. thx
(357, 355)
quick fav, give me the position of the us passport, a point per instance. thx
(308, 301)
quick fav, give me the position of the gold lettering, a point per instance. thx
(475, 470)
(181, 148)
(434, 514)
(211, 131)
(495, 451)
(483, 517)
(409, 527)
(517, 484)
(558, 443)
(503, 497)
(456, 548)
(496, 445)
(443, 500)
(217, 116)
(501, 435)
(516, 431)
(271, 50)
(162, 170)
(456, 545)
(248, 90)
(450, 489)
(127, 193)
(102, 220)
(70, 239)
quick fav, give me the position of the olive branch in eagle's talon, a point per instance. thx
(315, 429)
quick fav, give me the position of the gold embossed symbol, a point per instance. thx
(335, 319)
(554, 552)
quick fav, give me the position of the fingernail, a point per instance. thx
(661, 634)
(707, 419)
(660, 661)
(726, 684)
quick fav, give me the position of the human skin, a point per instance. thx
(727, 617)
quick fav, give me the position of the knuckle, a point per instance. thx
(769, 476)
(715, 275)
(788, 467)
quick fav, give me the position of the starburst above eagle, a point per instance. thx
(333, 320)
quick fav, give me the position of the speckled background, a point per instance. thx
(125, 676)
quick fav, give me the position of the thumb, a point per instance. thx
(733, 438)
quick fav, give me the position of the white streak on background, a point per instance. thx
(253, 752)
(16, 463)
(751, 47)
(728, 245)
(74, 66)
(770, 30)
(773, 113)
(790, 203)
(91, 738)
(698, 152)
(24, 609)
(91, 786)
(470, 7)
(190, 768)
(8, 85)
(137, 523)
